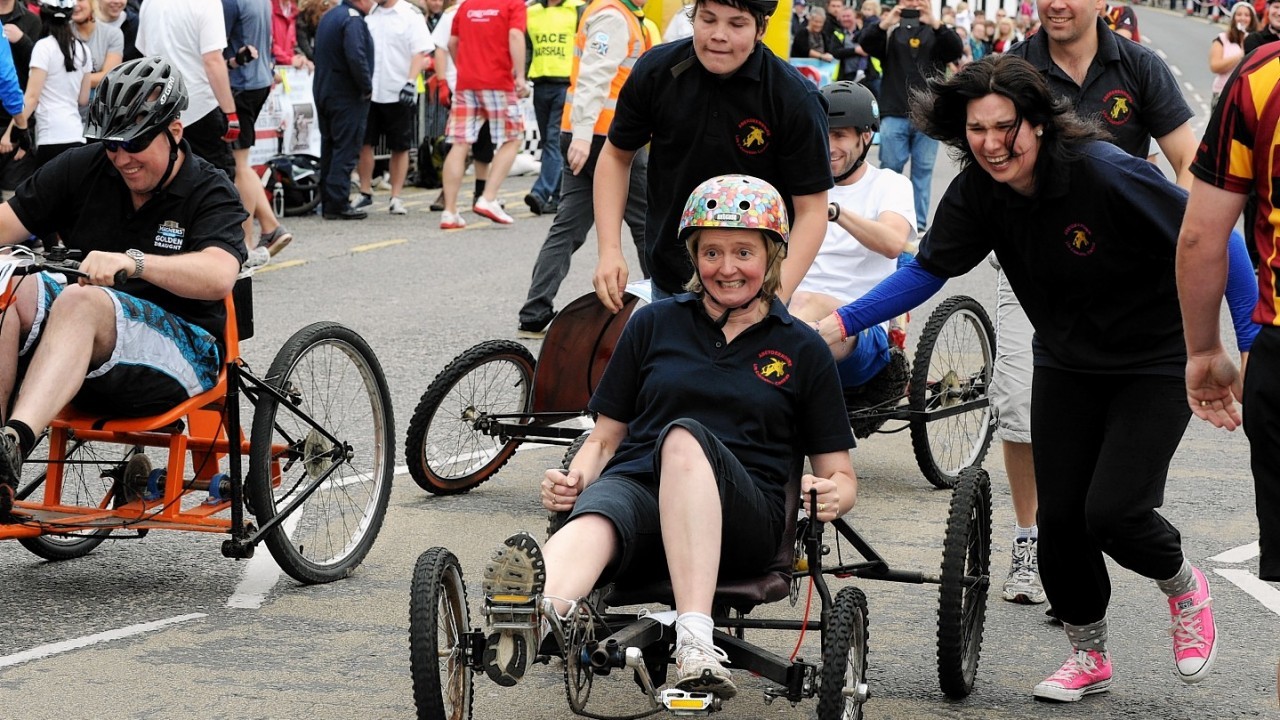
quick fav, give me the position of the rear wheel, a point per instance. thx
(92, 475)
(447, 449)
(438, 618)
(842, 689)
(966, 579)
(328, 373)
(952, 368)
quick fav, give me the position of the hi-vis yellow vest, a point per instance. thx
(551, 31)
(637, 42)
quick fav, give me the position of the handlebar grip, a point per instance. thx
(121, 277)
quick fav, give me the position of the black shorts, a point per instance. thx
(205, 138)
(392, 120)
(751, 529)
(248, 107)
(482, 150)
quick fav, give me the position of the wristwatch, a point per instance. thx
(833, 212)
(139, 261)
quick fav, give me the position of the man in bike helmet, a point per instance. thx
(159, 229)
(871, 221)
(717, 103)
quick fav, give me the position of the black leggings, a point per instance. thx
(1262, 423)
(1102, 445)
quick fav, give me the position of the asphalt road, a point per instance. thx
(76, 639)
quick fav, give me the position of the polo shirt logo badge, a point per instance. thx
(773, 367)
(1080, 240)
(169, 235)
(1118, 106)
(599, 44)
(914, 43)
(753, 136)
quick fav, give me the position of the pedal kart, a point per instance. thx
(319, 447)
(596, 640)
(493, 397)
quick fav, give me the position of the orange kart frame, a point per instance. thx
(494, 396)
(287, 436)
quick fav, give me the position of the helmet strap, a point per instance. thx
(723, 320)
(168, 171)
(866, 148)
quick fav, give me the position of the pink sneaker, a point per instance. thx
(491, 210)
(451, 221)
(1195, 634)
(1084, 673)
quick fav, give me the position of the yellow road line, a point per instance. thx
(280, 266)
(378, 245)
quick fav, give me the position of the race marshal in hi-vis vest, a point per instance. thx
(551, 27)
(609, 28)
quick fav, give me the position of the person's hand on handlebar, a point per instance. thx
(828, 497)
(104, 268)
(610, 280)
(560, 489)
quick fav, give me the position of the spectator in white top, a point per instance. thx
(58, 85)
(105, 43)
(118, 15)
(191, 35)
(401, 47)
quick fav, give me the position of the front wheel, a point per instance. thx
(438, 617)
(447, 449)
(966, 578)
(331, 443)
(950, 376)
(842, 688)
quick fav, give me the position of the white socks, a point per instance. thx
(695, 625)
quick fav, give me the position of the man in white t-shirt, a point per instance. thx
(191, 35)
(871, 218)
(401, 46)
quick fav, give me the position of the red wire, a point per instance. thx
(804, 625)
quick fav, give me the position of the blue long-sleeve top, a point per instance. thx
(10, 90)
(911, 285)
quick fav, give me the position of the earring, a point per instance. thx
(1039, 132)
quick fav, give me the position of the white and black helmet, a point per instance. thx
(57, 11)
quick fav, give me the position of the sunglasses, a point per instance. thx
(134, 145)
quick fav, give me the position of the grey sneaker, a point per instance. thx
(258, 257)
(513, 582)
(365, 201)
(396, 207)
(276, 240)
(10, 471)
(1023, 583)
(700, 668)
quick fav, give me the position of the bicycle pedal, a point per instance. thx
(512, 617)
(680, 702)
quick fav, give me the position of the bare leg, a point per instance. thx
(364, 169)
(253, 197)
(575, 558)
(399, 168)
(501, 165)
(454, 163)
(79, 333)
(689, 504)
(1020, 468)
(14, 323)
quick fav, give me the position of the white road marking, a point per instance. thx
(44, 651)
(1237, 555)
(1159, 52)
(261, 574)
(1176, 70)
(1248, 582)
(1188, 86)
(1198, 98)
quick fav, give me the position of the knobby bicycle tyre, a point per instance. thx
(438, 617)
(445, 451)
(962, 597)
(844, 658)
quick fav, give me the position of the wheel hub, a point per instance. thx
(949, 390)
(317, 454)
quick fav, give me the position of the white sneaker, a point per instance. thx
(451, 221)
(1023, 583)
(491, 210)
(699, 667)
(397, 207)
(258, 257)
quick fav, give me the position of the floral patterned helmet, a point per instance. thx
(736, 201)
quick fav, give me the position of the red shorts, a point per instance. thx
(471, 108)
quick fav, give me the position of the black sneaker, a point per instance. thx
(276, 240)
(513, 582)
(535, 203)
(10, 471)
(533, 330)
(366, 200)
(438, 204)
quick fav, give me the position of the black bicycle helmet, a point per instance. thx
(136, 98)
(56, 11)
(851, 105)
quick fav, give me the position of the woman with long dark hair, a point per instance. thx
(58, 85)
(1086, 234)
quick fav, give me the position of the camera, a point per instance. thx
(910, 19)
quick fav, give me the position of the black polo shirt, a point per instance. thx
(765, 120)
(1128, 89)
(908, 59)
(769, 395)
(1090, 258)
(80, 195)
